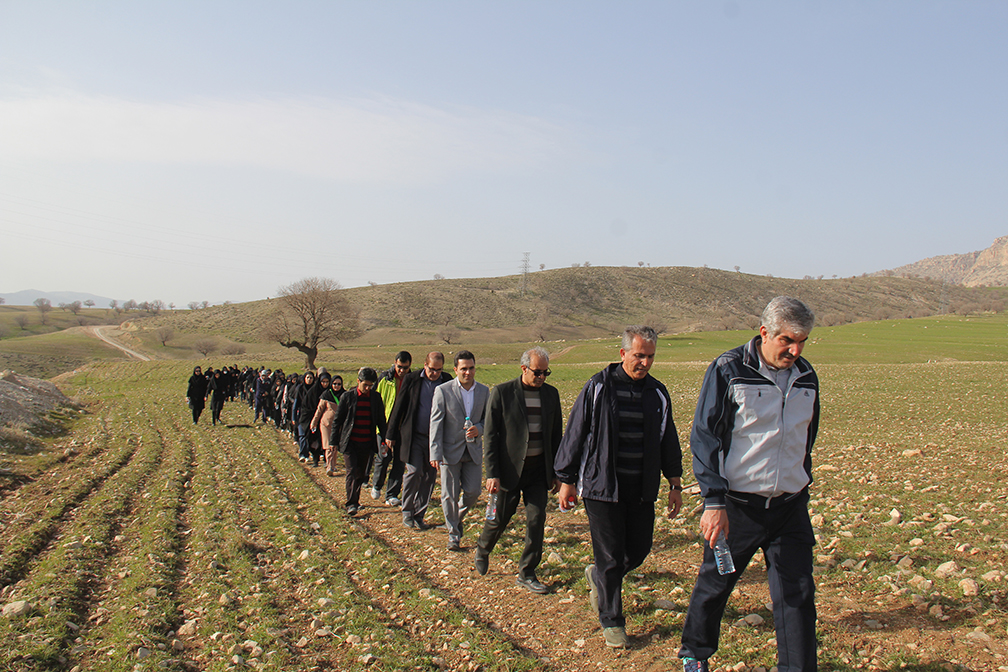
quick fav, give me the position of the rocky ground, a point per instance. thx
(153, 544)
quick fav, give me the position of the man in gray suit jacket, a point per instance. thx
(523, 427)
(456, 442)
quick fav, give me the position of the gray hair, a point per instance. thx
(640, 331)
(786, 311)
(526, 358)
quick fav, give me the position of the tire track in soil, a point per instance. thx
(88, 567)
(216, 461)
(286, 600)
(129, 544)
(32, 489)
(376, 601)
(22, 483)
(24, 545)
(522, 620)
(422, 573)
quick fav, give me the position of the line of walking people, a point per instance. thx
(755, 423)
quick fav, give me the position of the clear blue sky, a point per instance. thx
(217, 150)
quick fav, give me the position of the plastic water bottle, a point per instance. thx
(465, 429)
(722, 555)
(491, 513)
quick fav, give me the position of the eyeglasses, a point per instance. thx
(540, 373)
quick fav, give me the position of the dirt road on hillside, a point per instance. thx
(99, 333)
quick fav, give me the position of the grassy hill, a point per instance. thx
(556, 305)
(597, 301)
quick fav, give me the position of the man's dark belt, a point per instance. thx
(758, 501)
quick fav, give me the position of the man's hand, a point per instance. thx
(472, 432)
(436, 464)
(493, 485)
(567, 496)
(674, 502)
(712, 523)
(390, 443)
(555, 487)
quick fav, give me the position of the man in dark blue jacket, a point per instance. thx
(620, 439)
(753, 431)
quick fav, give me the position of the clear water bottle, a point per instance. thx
(465, 429)
(491, 513)
(722, 555)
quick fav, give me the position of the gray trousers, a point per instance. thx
(464, 478)
(418, 480)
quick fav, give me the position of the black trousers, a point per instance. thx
(356, 460)
(197, 410)
(784, 532)
(532, 485)
(622, 533)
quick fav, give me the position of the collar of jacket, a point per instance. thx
(609, 376)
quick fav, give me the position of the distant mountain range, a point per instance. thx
(972, 269)
(27, 296)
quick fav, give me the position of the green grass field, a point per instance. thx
(151, 524)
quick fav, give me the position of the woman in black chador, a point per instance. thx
(197, 393)
(219, 387)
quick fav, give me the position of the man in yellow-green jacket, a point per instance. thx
(388, 386)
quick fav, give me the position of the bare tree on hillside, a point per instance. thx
(90, 303)
(164, 334)
(62, 305)
(447, 333)
(194, 305)
(655, 321)
(204, 304)
(75, 307)
(312, 312)
(2, 300)
(44, 306)
(155, 307)
(542, 324)
(21, 320)
(205, 346)
(130, 305)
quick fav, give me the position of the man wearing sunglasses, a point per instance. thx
(523, 426)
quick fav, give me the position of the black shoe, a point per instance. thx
(481, 563)
(532, 585)
(421, 525)
(409, 522)
(454, 545)
(352, 509)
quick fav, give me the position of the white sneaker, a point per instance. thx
(375, 493)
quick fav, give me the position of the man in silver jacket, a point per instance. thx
(755, 424)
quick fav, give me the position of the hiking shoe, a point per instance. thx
(615, 637)
(694, 665)
(532, 585)
(481, 563)
(393, 501)
(352, 509)
(454, 545)
(375, 493)
(593, 594)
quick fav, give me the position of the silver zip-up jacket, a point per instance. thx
(748, 436)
